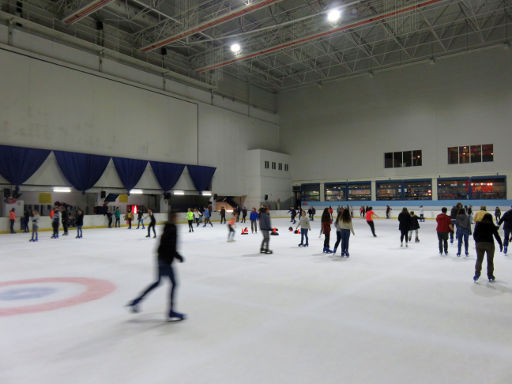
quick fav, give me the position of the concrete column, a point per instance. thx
(434, 188)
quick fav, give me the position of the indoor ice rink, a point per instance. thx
(116, 112)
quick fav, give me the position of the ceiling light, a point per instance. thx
(206, 193)
(178, 192)
(235, 48)
(136, 191)
(61, 189)
(333, 15)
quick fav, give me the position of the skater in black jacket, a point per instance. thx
(484, 231)
(166, 255)
(152, 223)
(507, 228)
(265, 228)
(404, 218)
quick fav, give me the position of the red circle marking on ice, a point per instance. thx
(95, 289)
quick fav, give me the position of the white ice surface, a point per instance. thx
(385, 315)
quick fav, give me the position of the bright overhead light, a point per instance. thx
(333, 15)
(62, 189)
(136, 191)
(235, 48)
(178, 192)
(206, 193)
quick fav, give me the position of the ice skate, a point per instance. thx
(505, 250)
(476, 277)
(268, 252)
(492, 279)
(133, 307)
(176, 316)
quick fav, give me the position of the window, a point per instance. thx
(388, 160)
(335, 192)
(280, 166)
(389, 190)
(273, 165)
(417, 189)
(267, 165)
(487, 152)
(286, 167)
(403, 159)
(453, 189)
(470, 154)
(359, 191)
(310, 192)
(488, 188)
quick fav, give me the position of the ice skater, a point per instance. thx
(404, 219)
(292, 213)
(65, 220)
(415, 226)
(444, 227)
(422, 214)
(35, 225)
(152, 223)
(388, 211)
(55, 223)
(231, 228)
(497, 214)
(129, 217)
(369, 219)
(244, 214)
(305, 226)
(223, 215)
(166, 255)
(12, 219)
(253, 217)
(117, 215)
(265, 228)
(206, 215)
(197, 217)
(463, 231)
(326, 229)
(484, 231)
(190, 219)
(26, 221)
(507, 228)
(343, 228)
(79, 223)
(140, 218)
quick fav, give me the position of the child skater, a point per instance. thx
(253, 217)
(231, 228)
(166, 255)
(326, 229)
(305, 226)
(35, 224)
(152, 223)
(190, 219)
(369, 219)
(79, 223)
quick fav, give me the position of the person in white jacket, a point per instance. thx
(305, 226)
(343, 228)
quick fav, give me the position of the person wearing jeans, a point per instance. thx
(343, 228)
(79, 223)
(483, 235)
(265, 228)
(35, 224)
(463, 230)
(305, 226)
(507, 228)
(12, 219)
(444, 227)
(253, 217)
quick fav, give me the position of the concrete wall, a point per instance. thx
(341, 131)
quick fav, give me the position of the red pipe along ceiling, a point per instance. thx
(322, 34)
(209, 24)
(85, 11)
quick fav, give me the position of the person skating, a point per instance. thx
(404, 220)
(507, 228)
(480, 214)
(463, 231)
(197, 217)
(12, 219)
(206, 215)
(190, 219)
(415, 226)
(265, 228)
(244, 214)
(388, 211)
(292, 213)
(35, 225)
(79, 223)
(26, 221)
(305, 226)
(313, 211)
(65, 220)
(422, 214)
(253, 217)
(129, 217)
(140, 218)
(444, 227)
(453, 218)
(484, 231)
(343, 228)
(231, 228)
(152, 223)
(109, 218)
(117, 215)
(166, 254)
(326, 229)
(369, 219)
(497, 214)
(223, 215)
(55, 223)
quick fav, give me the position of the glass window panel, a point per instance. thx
(453, 155)
(448, 189)
(388, 160)
(476, 153)
(464, 154)
(487, 152)
(280, 166)
(417, 160)
(407, 159)
(273, 165)
(391, 190)
(267, 164)
(335, 192)
(397, 159)
(359, 191)
(310, 192)
(418, 190)
(492, 188)
(286, 167)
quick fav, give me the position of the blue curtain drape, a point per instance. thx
(167, 174)
(81, 170)
(201, 176)
(17, 164)
(129, 170)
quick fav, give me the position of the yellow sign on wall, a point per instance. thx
(45, 198)
(123, 198)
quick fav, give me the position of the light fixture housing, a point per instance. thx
(235, 48)
(333, 15)
(62, 189)
(178, 192)
(206, 193)
(136, 192)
